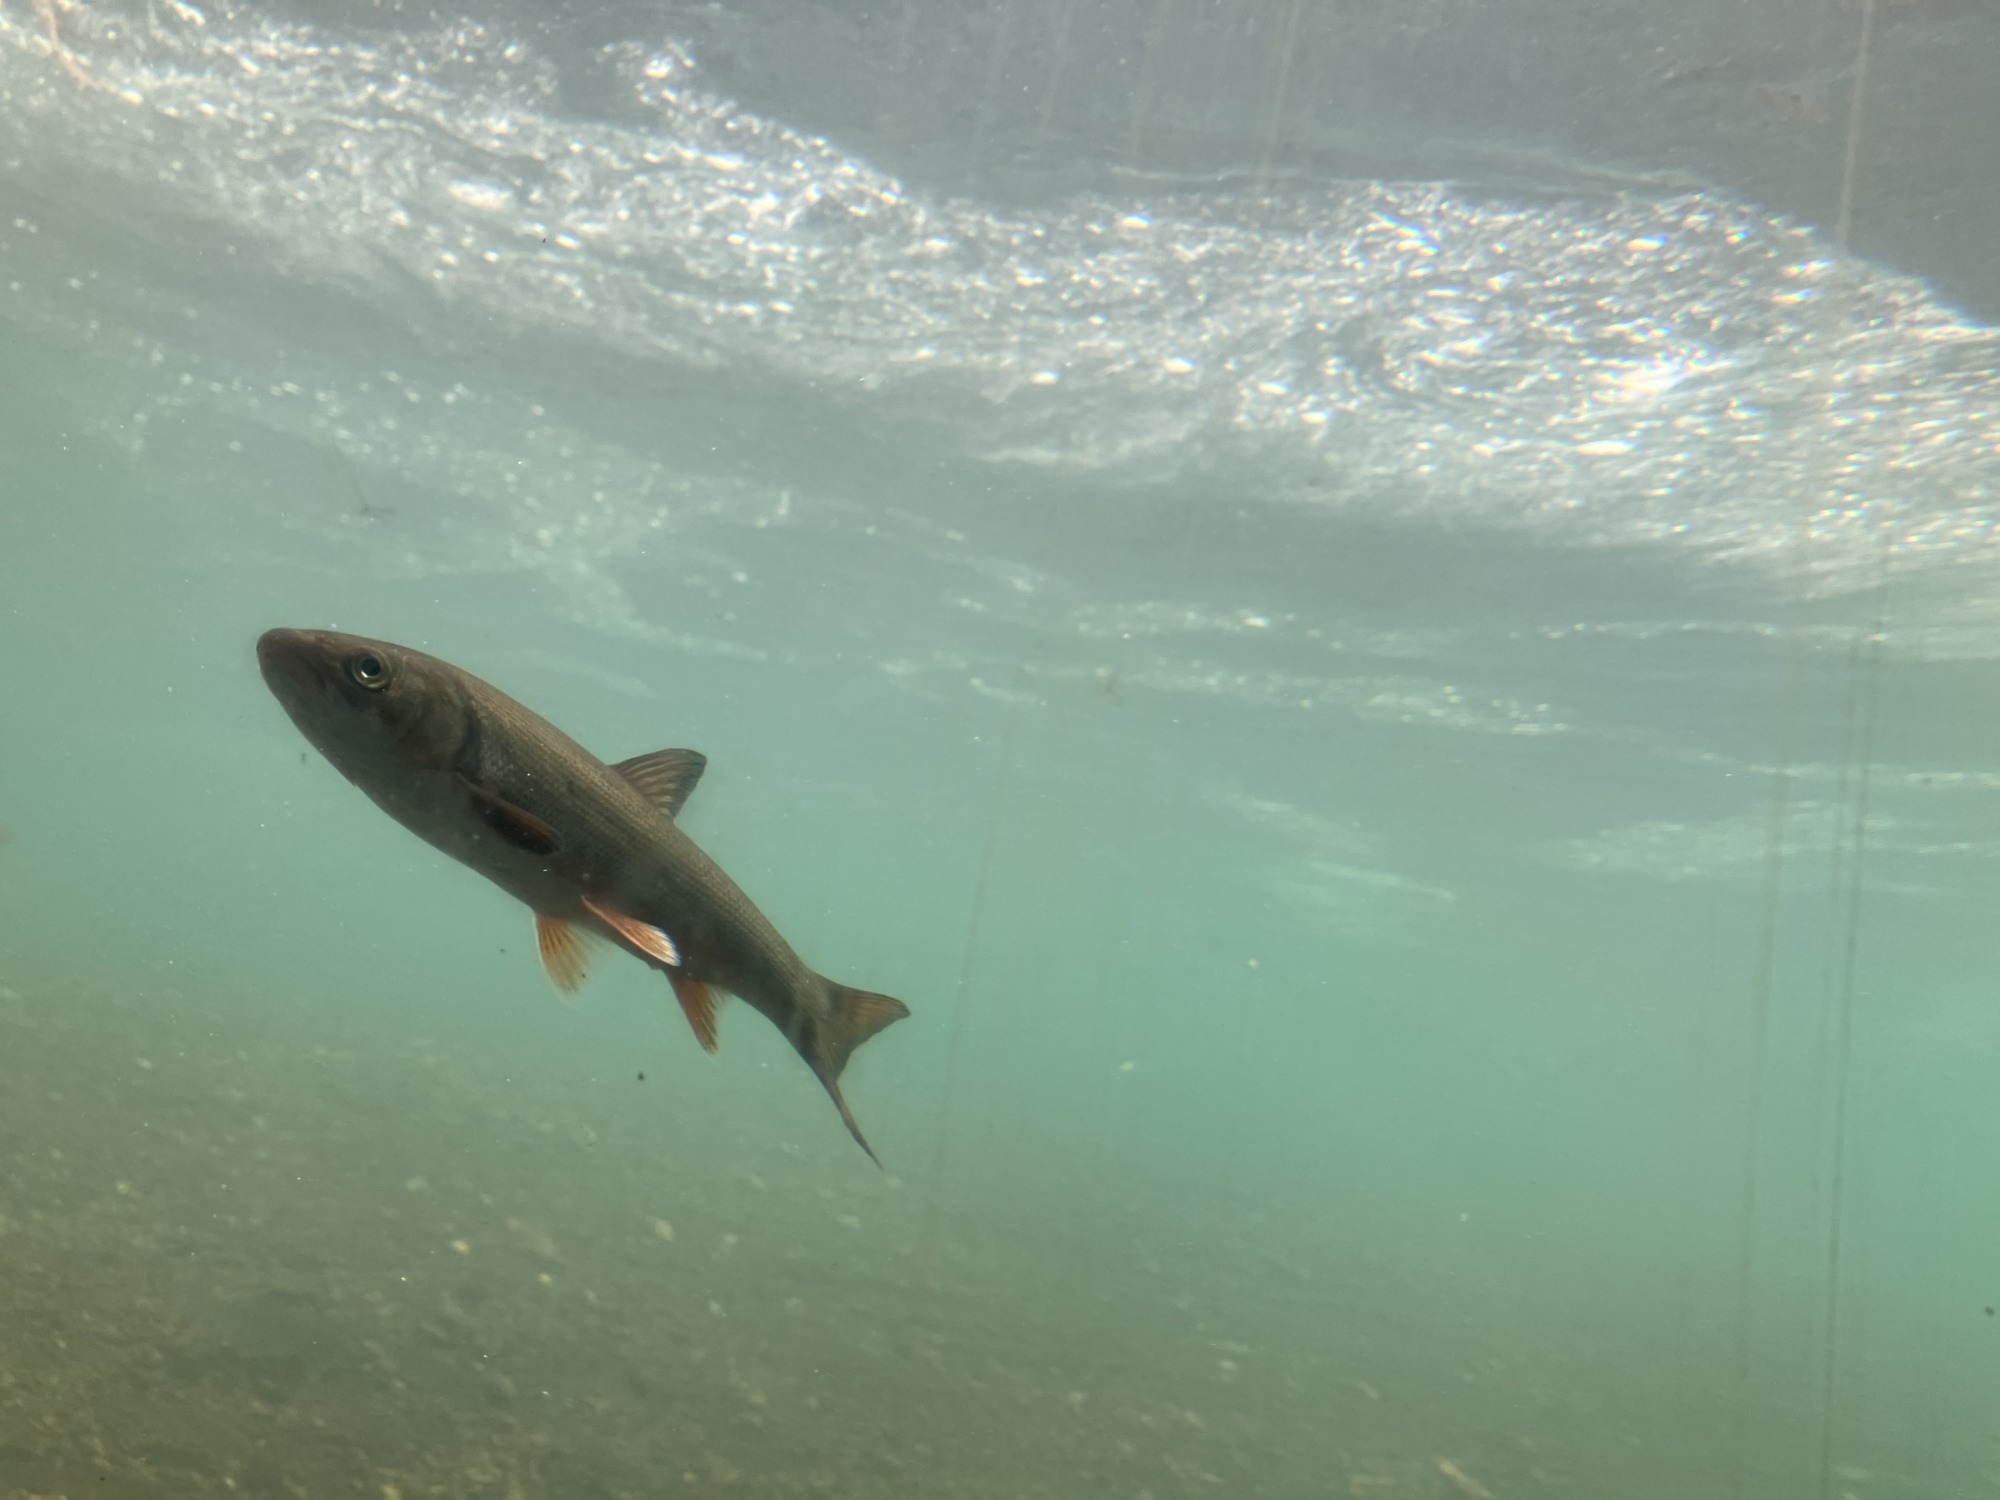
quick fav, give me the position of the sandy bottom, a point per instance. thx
(264, 1251)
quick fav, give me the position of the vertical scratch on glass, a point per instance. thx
(1280, 94)
(1844, 222)
(941, 1149)
(1866, 666)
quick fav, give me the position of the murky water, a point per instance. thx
(1419, 749)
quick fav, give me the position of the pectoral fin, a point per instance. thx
(698, 1001)
(644, 936)
(516, 825)
(665, 777)
(563, 952)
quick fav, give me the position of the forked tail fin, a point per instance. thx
(853, 1016)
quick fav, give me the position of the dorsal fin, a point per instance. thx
(664, 778)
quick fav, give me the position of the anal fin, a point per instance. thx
(644, 936)
(563, 952)
(698, 1002)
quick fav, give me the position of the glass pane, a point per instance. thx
(1379, 616)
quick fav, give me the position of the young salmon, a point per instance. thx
(590, 847)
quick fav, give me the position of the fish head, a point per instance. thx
(365, 702)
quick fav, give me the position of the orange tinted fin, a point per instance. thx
(563, 953)
(855, 1016)
(644, 936)
(698, 1001)
(665, 777)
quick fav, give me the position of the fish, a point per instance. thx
(592, 849)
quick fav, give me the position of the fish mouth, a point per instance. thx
(295, 663)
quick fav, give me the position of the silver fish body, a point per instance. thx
(589, 847)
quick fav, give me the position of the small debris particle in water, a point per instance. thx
(664, 1230)
(545, 1278)
(462, 1247)
(415, 1185)
(146, 1064)
(642, 1078)
(1367, 1390)
(715, 1309)
(848, 1221)
(1463, 1482)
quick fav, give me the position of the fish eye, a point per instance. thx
(367, 669)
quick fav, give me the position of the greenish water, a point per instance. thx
(1422, 754)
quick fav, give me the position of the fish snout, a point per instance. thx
(292, 661)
